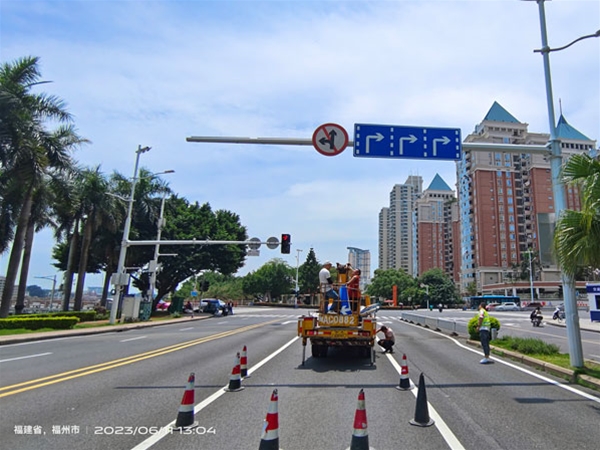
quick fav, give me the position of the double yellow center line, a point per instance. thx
(60, 377)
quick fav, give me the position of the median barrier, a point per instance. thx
(440, 324)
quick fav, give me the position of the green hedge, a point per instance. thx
(83, 316)
(35, 323)
(471, 327)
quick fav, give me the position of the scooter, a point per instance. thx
(558, 315)
(536, 321)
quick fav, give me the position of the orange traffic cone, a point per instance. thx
(360, 437)
(404, 380)
(244, 364)
(185, 416)
(422, 410)
(270, 434)
(235, 380)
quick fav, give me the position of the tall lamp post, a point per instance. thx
(297, 268)
(121, 278)
(530, 273)
(153, 268)
(53, 278)
(571, 316)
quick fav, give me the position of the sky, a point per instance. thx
(153, 73)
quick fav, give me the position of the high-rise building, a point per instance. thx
(361, 259)
(437, 215)
(397, 233)
(383, 238)
(506, 201)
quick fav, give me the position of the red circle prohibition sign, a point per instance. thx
(330, 139)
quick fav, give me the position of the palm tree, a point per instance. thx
(67, 215)
(577, 234)
(97, 213)
(28, 153)
(40, 218)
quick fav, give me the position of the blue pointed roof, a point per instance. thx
(566, 131)
(498, 114)
(438, 184)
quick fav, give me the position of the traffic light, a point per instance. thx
(205, 285)
(286, 241)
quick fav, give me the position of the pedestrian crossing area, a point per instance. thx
(262, 316)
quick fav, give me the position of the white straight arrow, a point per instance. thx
(411, 138)
(444, 140)
(377, 138)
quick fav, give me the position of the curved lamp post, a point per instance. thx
(571, 316)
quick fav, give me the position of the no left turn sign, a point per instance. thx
(330, 139)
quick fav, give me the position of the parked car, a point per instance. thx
(534, 305)
(508, 306)
(492, 306)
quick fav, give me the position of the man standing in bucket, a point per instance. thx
(483, 326)
(326, 285)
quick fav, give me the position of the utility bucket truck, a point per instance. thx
(340, 323)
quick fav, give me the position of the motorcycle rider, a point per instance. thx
(536, 315)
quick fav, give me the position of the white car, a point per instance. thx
(508, 306)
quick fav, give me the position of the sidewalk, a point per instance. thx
(18, 338)
(585, 323)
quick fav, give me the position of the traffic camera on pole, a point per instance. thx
(286, 241)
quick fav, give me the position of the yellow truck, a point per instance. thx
(355, 328)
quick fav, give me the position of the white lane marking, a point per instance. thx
(185, 329)
(164, 431)
(506, 363)
(288, 321)
(134, 339)
(51, 340)
(25, 357)
(444, 430)
(221, 323)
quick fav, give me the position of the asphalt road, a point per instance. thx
(121, 390)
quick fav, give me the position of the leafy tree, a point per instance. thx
(577, 233)
(308, 274)
(35, 291)
(226, 287)
(472, 289)
(186, 221)
(274, 278)
(441, 287)
(383, 281)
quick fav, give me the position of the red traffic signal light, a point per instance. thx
(286, 241)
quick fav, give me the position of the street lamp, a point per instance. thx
(571, 316)
(297, 267)
(154, 263)
(53, 278)
(530, 272)
(120, 278)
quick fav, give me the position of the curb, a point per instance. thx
(568, 374)
(20, 338)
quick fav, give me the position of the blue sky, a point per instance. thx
(152, 73)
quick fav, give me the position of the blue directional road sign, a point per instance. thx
(397, 141)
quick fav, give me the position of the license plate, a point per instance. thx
(338, 334)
